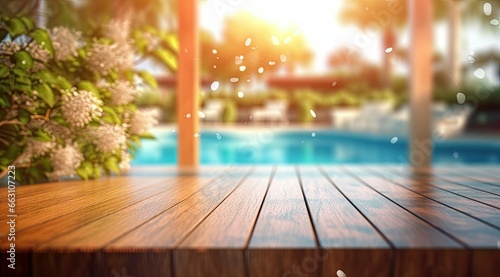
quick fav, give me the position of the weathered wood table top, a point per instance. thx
(260, 221)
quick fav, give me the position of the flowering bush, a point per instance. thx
(67, 100)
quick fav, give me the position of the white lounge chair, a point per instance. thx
(213, 110)
(372, 115)
(341, 117)
(274, 110)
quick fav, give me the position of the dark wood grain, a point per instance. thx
(35, 228)
(349, 241)
(283, 236)
(403, 229)
(61, 208)
(216, 246)
(168, 229)
(369, 221)
(44, 199)
(85, 242)
(470, 207)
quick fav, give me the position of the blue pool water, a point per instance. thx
(311, 147)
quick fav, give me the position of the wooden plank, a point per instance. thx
(476, 184)
(484, 213)
(348, 241)
(61, 208)
(87, 240)
(39, 201)
(170, 227)
(473, 194)
(36, 228)
(283, 238)
(473, 233)
(216, 246)
(464, 228)
(414, 239)
(29, 190)
(187, 87)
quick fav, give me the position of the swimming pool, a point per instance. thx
(310, 147)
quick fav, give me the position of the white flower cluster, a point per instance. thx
(107, 138)
(124, 164)
(104, 57)
(39, 54)
(117, 30)
(80, 107)
(8, 48)
(35, 149)
(65, 42)
(65, 161)
(154, 41)
(122, 93)
(142, 121)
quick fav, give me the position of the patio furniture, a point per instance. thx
(274, 110)
(371, 116)
(260, 221)
(446, 121)
(213, 110)
(340, 117)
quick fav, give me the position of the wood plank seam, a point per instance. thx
(458, 183)
(318, 247)
(247, 242)
(84, 207)
(216, 206)
(178, 203)
(430, 198)
(386, 239)
(456, 193)
(461, 243)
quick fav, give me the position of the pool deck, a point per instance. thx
(260, 221)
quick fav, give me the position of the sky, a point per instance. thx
(316, 20)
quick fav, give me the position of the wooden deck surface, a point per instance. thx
(261, 221)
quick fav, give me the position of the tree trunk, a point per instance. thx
(454, 39)
(388, 41)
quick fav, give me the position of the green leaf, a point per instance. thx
(13, 152)
(28, 22)
(46, 94)
(42, 38)
(147, 136)
(23, 59)
(82, 172)
(111, 164)
(149, 79)
(111, 113)
(63, 82)
(24, 116)
(88, 86)
(22, 87)
(16, 27)
(168, 58)
(4, 71)
(42, 136)
(45, 75)
(170, 41)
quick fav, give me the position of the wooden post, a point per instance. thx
(187, 87)
(454, 43)
(421, 144)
